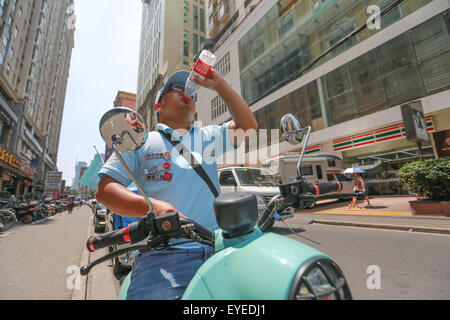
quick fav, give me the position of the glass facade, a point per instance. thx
(288, 38)
(408, 67)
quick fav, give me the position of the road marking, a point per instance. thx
(360, 212)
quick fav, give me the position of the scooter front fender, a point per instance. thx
(261, 269)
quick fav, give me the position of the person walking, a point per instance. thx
(71, 202)
(359, 189)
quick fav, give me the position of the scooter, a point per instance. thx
(243, 253)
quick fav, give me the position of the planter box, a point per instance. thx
(430, 208)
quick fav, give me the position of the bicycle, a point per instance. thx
(7, 220)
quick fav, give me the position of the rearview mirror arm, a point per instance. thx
(305, 144)
(138, 186)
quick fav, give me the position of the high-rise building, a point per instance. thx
(225, 16)
(172, 34)
(76, 180)
(353, 95)
(35, 52)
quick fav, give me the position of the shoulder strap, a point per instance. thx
(192, 161)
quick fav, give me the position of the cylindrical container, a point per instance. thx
(201, 69)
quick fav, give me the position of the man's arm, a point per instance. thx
(240, 112)
(122, 201)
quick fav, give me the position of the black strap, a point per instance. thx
(192, 161)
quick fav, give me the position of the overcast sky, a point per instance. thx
(105, 60)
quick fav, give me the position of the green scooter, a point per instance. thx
(243, 252)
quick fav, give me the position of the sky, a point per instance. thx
(104, 61)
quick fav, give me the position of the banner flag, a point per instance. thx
(90, 178)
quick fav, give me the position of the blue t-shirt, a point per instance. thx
(186, 190)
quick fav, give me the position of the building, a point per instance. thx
(76, 180)
(34, 64)
(225, 16)
(172, 34)
(123, 99)
(352, 96)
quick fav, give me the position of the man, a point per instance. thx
(165, 274)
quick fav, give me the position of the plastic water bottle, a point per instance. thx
(201, 69)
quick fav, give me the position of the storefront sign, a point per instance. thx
(53, 184)
(9, 158)
(309, 150)
(414, 121)
(381, 135)
(442, 140)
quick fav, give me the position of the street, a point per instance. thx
(34, 259)
(412, 265)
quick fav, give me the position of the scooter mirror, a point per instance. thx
(291, 129)
(123, 127)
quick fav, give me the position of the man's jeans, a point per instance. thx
(165, 274)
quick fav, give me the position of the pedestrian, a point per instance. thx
(155, 271)
(70, 204)
(360, 188)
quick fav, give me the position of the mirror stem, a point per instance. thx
(305, 144)
(138, 186)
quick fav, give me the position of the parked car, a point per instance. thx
(99, 218)
(258, 181)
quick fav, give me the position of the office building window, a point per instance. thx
(202, 20)
(186, 44)
(186, 12)
(195, 44)
(288, 37)
(431, 42)
(195, 17)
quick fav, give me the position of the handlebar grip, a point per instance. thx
(135, 232)
(326, 187)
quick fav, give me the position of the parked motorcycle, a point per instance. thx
(243, 253)
(28, 212)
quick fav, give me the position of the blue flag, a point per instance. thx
(90, 178)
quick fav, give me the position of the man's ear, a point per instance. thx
(156, 107)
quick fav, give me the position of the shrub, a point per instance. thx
(429, 179)
(5, 195)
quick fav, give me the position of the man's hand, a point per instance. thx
(213, 80)
(162, 207)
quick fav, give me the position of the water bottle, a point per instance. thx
(201, 69)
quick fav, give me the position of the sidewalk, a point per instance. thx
(386, 213)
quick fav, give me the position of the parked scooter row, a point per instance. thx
(32, 211)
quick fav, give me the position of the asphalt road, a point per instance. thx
(34, 259)
(411, 265)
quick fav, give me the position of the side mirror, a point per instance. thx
(291, 129)
(124, 128)
(292, 132)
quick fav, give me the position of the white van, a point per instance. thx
(254, 180)
(315, 168)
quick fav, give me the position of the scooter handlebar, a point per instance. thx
(327, 187)
(134, 232)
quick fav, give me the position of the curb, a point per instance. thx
(383, 226)
(81, 293)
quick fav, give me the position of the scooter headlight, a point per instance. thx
(320, 279)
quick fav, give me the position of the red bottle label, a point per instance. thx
(201, 68)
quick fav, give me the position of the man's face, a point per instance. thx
(175, 106)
